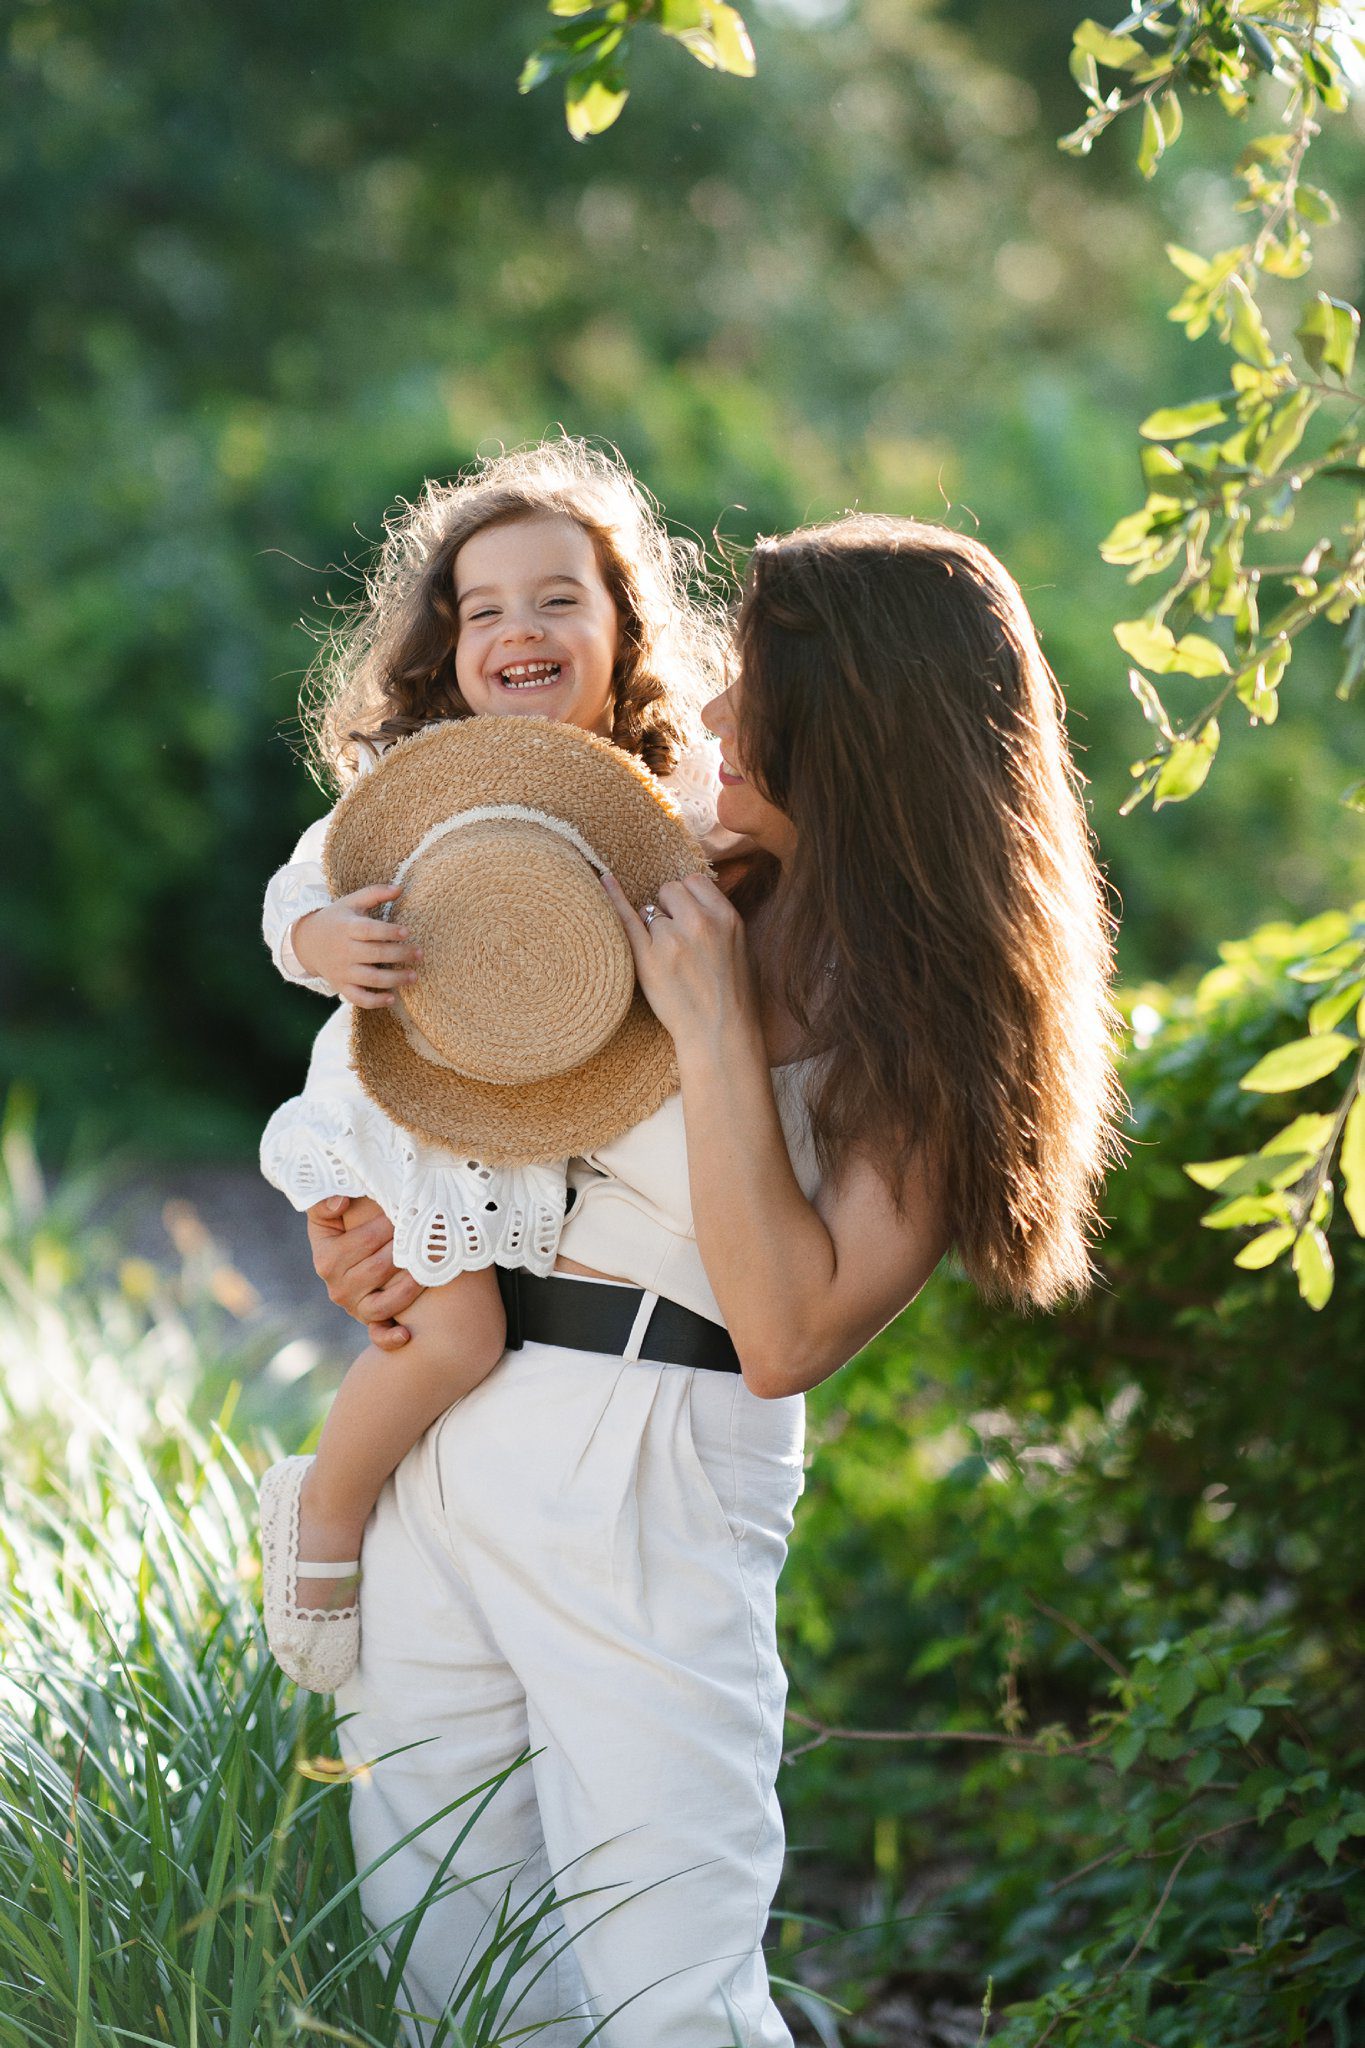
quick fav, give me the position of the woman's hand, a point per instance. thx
(360, 955)
(352, 1242)
(692, 961)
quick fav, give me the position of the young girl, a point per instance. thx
(543, 584)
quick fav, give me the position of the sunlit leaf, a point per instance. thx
(1117, 52)
(1153, 141)
(1194, 655)
(1315, 205)
(1211, 1173)
(1247, 330)
(1185, 769)
(1146, 641)
(1243, 1210)
(1286, 431)
(1351, 1161)
(1328, 333)
(1153, 709)
(1329, 1010)
(1170, 421)
(1265, 1249)
(1298, 1064)
(713, 32)
(1313, 1265)
(592, 104)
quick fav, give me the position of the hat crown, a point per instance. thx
(588, 795)
(526, 971)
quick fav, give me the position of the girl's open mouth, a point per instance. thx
(529, 675)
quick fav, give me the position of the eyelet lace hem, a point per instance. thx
(450, 1215)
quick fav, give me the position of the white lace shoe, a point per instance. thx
(315, 1646)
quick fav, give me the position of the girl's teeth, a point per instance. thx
(527, 679)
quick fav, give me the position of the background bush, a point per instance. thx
(268, 267)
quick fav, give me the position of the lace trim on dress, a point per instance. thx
(450, 1215)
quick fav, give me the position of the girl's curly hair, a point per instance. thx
(387, 668)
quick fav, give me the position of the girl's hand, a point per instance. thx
(361, 955)
(692, 960)
(351, 1240)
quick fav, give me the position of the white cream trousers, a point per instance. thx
(580, 1560)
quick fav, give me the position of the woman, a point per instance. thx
(893, 1039)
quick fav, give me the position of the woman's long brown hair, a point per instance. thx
(388, 668)
(940, 932)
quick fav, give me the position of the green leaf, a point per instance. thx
(592, 102)
(1328, 1840)
(1147, 642)
(1116, 52)
(1313, 1265)
(1329, 332)
(1329, 1010)
(1285, 431)
(1353, 640)
(1153, 141)
(540, 65)
(1188, 263)
(1247, 330)
(1185, 769)
(1153, 710)
(1171, 421)
(1127, 1749)
(572, 7)
(1314, 205)
(1265, 1249)
(1243, 1210)
(1244, 1721)
(1351, 1162)
(1196, 656)
(1306, 1133)
(717, 37)
(1211, 1173)
(1298, 1064)
(1177, 1689)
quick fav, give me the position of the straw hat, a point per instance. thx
(524, 1037)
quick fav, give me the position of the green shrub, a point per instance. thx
(175, 1865)
(1130, 1535)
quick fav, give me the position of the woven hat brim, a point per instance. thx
(608, 796)
(632, 824)
(564, 1116)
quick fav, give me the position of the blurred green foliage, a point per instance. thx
(1134, 1527)
(268, 268)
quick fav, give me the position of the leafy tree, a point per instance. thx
(1228, 516)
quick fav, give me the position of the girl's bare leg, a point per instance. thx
(382, 1407)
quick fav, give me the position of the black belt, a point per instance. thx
(596, 1315)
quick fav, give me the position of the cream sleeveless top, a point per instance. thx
(632, 1202)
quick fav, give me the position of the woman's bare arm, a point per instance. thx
(802, 1285)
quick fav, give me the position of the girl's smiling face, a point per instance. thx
(538, 626)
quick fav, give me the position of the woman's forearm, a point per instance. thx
(767, 1253)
